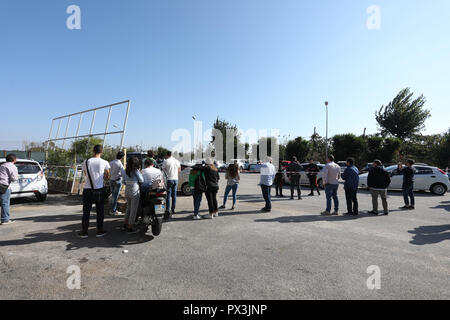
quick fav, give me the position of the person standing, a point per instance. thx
(378, 181)
(351, 177)
(8, 175)
(313, 170)
(96, 170)
(172, 168)
(294, 173)
(132, 178)
(408, 184)
(331, 176)
(279, 181)
(233, 178)
(116, 182)
(212, 187)
(197, 187)
(268, 172)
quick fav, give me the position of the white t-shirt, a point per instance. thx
(150, 174)
(116, 166)
(171, 167)
(97, 167)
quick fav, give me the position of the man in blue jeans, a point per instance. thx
(116, 182)
(8, 175)
(171, 168)
(331, 176)
(268, 172)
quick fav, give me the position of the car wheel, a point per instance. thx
(41, 197)
(186, 189)
(438, 189)
(320, 183)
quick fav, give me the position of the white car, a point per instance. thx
(304, 180)
(183, 181)
(31, 181)
(426, 179)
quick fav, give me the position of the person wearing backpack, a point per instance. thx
(8, 175)
(197, 183)
(233, 178)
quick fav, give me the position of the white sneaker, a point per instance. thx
(8, 222)
(207, 216)
(325, 213)
(216, 215)
(197, 217)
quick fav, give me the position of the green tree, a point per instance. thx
(403, 116)
(443, 153)
(223, 126)
(298, 147)
(348, 145)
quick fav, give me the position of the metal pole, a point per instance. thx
(125, 125)
(50, 135)
(57, 131)
(107, 126)
(67, 130)
(326, 137)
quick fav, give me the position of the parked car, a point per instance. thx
(254, 168)
(304, 181)
(367, 167)
(32, 181)
(183, 181)
(343, 165)
(426, 179)
(241, 163)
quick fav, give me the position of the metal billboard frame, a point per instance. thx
(105, 133)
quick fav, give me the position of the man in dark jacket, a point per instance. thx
(378, 181)
(408, 184)
(313, 170)
(294, 170)
(351, 177)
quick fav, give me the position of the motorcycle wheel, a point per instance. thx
(156, 227)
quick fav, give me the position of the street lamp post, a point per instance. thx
(326, 136)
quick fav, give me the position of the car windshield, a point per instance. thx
(28, 168)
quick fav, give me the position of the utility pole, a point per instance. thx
(326, 136)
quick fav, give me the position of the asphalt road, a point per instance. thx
(290, 253)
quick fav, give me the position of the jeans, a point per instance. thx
(5, 204)
(171, 194)
(227, 192)
(211, 197)
(331, 192)
(266, 194)
(115, 191)
(197, 197)
(383, 195)
(352, 200)
(408, 192)
(88, 201)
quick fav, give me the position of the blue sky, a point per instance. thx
(256, 63)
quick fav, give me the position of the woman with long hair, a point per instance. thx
(132, 179)
(212, 187)
(233, 178)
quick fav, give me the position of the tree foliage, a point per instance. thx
(299, 148)
(403, 116)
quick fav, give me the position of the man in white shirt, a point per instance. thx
(116, 182)
(331, 176)
(96, 171)
(150, 173)
(268, 172)
(171, 167)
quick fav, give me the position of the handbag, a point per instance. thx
(3, 188)
(99, 195)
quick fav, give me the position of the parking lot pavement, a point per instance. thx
(290, 253)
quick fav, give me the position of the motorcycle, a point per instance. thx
(153, 206)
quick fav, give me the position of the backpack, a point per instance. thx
(200, 183)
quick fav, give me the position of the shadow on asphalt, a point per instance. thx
(444, 205)
(316, 217)
(52, 200)
(116, 238)
(430, 234)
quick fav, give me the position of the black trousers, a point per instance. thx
(88, 201)
(313, 184)
(295, 182)
(211, 197)
(279, 188)
(352, 200)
